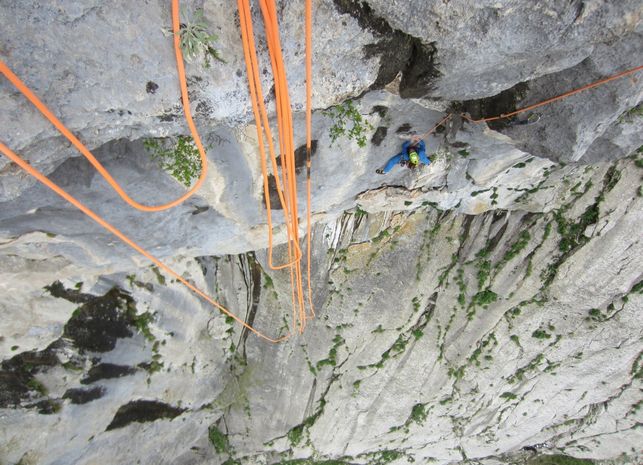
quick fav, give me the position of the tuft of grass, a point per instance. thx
(508, 395)
(195, 39)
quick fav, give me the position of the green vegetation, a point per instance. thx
(218, 440)
(464, 153)
(37, 386)
(484, 298)
(418, 414)
(631, 114)
(331, 360)
(457, 373)
(384, 457)
(487, 344)
(349, 123)
(637, 288)
(612, 177)
(484, 268)
(141, 322)
(295, 434)
(516, 247)
(540, 334)
(520, 372)
(378, 330)
(558, 459)
(508, 395)
(417, 333)
(382, 234)
(359, 213)
(196, 41)
(572, 233)
(596, 315)
(179, 158)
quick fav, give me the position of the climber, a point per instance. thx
(413, 153)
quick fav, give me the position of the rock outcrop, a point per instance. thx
(485, 308)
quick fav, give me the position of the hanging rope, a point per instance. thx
(286, 183)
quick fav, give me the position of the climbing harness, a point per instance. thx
(287, 165)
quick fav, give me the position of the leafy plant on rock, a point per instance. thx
(348, 122)
(180, 159)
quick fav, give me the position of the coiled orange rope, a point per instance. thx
(286, 184)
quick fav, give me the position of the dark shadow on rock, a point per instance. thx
(107, 371)
(502, 103)
(142, 411)
(82, 396)
(300, 162)
(379, 135)
(399, 52)
(98, 323)
(17, 375)
(47, 406)
(73, 295)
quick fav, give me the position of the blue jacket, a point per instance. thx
(404, 156)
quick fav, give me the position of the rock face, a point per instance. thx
(485, 308)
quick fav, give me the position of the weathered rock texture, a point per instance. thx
(485, 308)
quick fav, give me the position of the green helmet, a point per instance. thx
(414, 158)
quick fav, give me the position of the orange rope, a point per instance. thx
(261, 119)
(309, 132)
(286, 184)
(4, 69)
(558, 97)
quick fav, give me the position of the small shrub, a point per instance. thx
(418, 414)
(182, 161)
(349, 123)
(485, 297)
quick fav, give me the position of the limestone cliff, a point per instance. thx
(485, 309)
